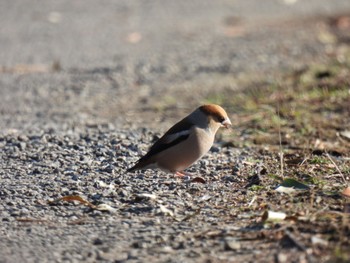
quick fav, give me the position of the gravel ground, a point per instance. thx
(150, 209)
(86, 86)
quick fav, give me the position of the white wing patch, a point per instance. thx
(172, 137)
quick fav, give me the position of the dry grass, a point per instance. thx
(298, 128)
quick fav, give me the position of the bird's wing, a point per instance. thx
(176, 134)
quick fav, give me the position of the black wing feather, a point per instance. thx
(161, 144)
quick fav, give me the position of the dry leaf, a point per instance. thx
(72, 198)
(290, 185)
(346, 192)
(198, 180)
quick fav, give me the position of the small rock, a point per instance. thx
(23, 138)
(232, 244)
(281, 258)
(215, 149)
(97, 242)
(318, 241)
(75, 177)
(22, 146)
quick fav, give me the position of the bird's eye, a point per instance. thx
(221, 119)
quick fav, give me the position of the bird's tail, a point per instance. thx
(139, 165)
(131, 169)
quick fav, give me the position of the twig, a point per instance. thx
(296, 242)
(337, 167)
(280, 139)
(305, 159)
(251, 202)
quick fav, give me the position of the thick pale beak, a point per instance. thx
(226, 123)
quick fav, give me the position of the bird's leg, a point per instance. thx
(183, 175)
(187, 178)
(178, 174)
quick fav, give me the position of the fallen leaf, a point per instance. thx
(72, 198)
(198, 180)
(290, 185)
(346, 192)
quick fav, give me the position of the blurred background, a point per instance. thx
(118, 61)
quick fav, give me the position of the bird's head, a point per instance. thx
(216, 115)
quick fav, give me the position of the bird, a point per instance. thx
(185, 142)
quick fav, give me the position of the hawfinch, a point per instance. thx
(185, 142)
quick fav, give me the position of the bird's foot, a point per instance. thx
(189, 178)
(186, 177)
(181, 175)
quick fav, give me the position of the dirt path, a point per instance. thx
(85, 86)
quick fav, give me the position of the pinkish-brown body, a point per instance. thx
(186, 142)
(198, 143)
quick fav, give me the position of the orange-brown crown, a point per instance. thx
(213, 110)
